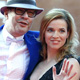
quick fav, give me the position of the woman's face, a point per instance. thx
(56, 34)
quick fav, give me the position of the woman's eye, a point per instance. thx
(49, 30)
(62, 30)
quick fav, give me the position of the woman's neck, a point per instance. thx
(51, 54)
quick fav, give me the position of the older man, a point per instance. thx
(19, 49)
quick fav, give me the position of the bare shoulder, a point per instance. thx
(76, 68)
(73, 61)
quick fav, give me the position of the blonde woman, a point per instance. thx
(59, 39)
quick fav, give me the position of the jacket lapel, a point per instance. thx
(34, 48)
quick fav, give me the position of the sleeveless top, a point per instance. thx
(49, 74)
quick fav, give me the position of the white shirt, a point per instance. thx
(14, 57)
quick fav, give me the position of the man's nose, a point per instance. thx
(25, 15)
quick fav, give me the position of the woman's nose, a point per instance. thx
(55, 34)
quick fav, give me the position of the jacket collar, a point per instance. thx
(34, 49)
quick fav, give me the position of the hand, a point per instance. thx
(64, 73)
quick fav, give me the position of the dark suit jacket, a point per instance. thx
(34, 48)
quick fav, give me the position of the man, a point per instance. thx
(19, 49)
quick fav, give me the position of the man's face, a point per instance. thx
(18, 24)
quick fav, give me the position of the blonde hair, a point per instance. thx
(71, 42)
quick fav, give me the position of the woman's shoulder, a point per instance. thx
(76, 67)
(73, 61)
(72, 57)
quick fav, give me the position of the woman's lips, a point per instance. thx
(55, 41)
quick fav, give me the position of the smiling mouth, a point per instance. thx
(55, 41)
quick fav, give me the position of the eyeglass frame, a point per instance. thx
(25, 10)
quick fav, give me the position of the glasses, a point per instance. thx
(20, 11)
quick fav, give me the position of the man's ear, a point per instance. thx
(6, 13)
